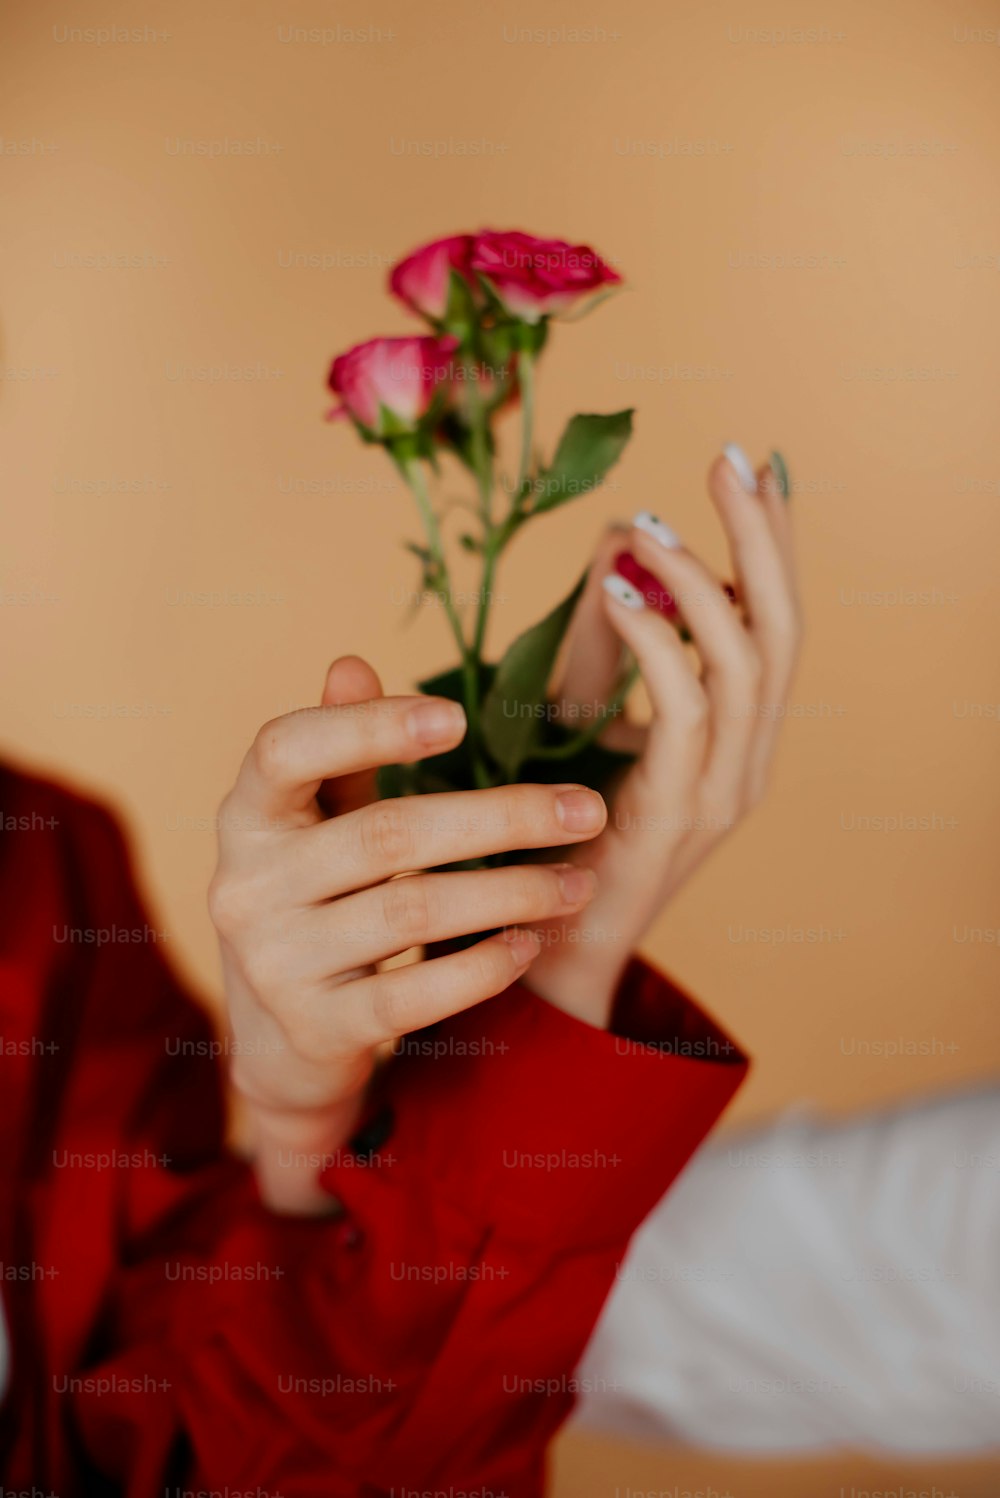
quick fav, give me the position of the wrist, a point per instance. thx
(290, 1149)
(582, 988)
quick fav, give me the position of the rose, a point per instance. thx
(489, 298)
(654, 594)
(535, 278)
(531, 277)
(390, 386)
(423, 279)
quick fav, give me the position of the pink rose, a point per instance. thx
(423, 279)
(388, 385)
(534, 278)
(654, 593)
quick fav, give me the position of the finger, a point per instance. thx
(388, 1005)
(759, 532)
(408, 833)
(350, 679)
(414, 912)
(760, 568)
(778, 508)
(677, 735)
(721, 638)
(594, 647)
(775, 687)
(731, 662)
(293, 755)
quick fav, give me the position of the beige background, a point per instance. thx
(689, 146)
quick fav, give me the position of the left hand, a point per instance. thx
(703, 760)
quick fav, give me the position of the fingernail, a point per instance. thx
(575, 884)
(623, 592)
(523, 947)
(780, 470)
(742, 464)
(435, 722)
(658, 529)
(579, 810)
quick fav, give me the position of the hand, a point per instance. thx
(307, 900)
(704, 758)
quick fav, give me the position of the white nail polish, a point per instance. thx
(623, 591)
(743, 466)
(658, 529)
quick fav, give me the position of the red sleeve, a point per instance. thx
(429, 1337)
(424, 1337)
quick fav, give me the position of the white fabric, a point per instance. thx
(811, 1285)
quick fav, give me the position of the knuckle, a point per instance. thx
(228, 905)
(406, 909)
(538, 895)
(692, 710)
(386, 835)
(264, 970)
(269, 750)
(486, 963)
(750, 667)
(305, 1036)
(720, 809)
(530, 807)
(521, 803)
(388, 1010)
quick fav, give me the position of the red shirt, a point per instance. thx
(169, 1333)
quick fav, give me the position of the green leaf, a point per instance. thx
(593, 765)
(588, 447)
(514, 709)
(450, 683)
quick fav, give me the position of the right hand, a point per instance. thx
(306, 902)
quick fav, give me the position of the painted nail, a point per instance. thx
(576, 885)
(579, 810)
(742, 464)
(435, 722)
(623, 592)
(780, 470)
(658, 529)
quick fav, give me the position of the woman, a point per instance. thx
(396, 1296)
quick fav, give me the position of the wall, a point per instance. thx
(244, 543)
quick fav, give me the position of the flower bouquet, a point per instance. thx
(490, 300)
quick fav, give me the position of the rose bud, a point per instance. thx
(654, 594)
(423, 279)
(389, 387)
(535, 278)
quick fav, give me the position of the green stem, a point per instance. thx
(526, 380)
(414, 476)
(497, 537)
(413, 473)
(593, 730)
(484, 479)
